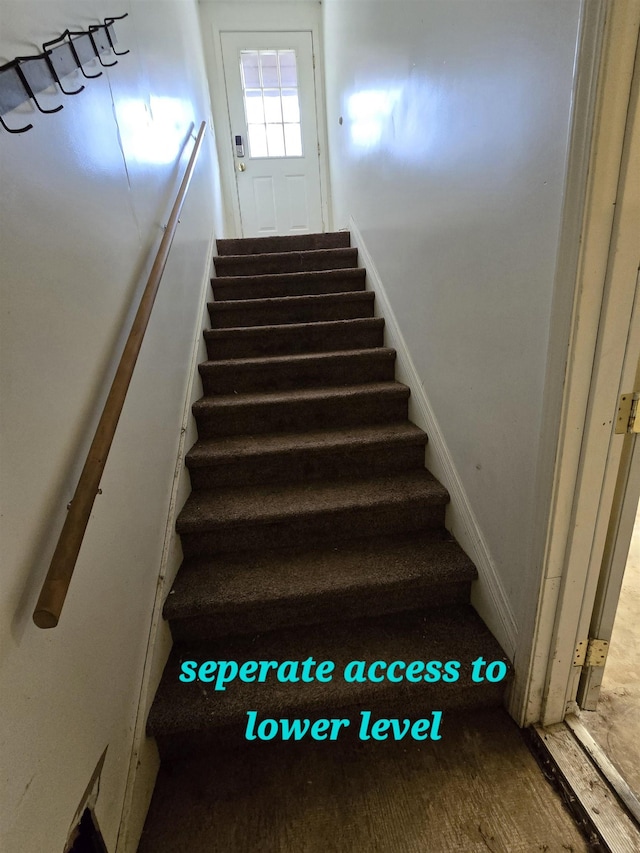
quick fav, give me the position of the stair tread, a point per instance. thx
(289, 277)
(297, 358)
(266, 284)
(293, 328)
(253, 245)
(206, 451)
(269, 504)
(207, 586)
(312, 254)
(281, 262)
(450, 634)
(326, 392)
(284, 301)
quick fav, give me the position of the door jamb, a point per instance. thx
(615, 556)
(582, 493)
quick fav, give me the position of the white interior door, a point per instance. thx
(271, 101)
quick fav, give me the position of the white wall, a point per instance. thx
(448, 129)
(85, 194)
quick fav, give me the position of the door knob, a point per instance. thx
(242, 167)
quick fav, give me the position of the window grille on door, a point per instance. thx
(272, 108)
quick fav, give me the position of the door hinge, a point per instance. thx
(627, 420)
(591, 652)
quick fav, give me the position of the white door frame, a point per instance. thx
(614, 563)
(235, 16)
(601, 360)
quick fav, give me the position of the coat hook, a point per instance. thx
(107, 24)
(75, 54)
(92, 29)
(47, 55)
(27, 86)
(15, 130)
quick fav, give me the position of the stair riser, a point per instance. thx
(292, 341)
(300, 242)
(332, 259)
(314, 529)
(268, 287)
(357, 370)
(271, 315)
(305, 466)
(296, 416)
(360, 603)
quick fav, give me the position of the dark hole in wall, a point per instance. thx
(88, 839)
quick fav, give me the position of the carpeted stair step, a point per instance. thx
(293, 411)
(287, 284)
(291, 309)
(186, 715)
(308, 370)
(327, 336)
(296, 242)
(294, 261)
(367, 451)
(273, 516)
(246, 592)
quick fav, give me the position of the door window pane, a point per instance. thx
(272, 106)
(288, 73)
(253, 103)
(258, 140)
(271, 102)
(293, 140)
(269, 68)
(250, 69)
(275, 140)
(290, 105)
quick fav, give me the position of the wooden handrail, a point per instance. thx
(56, 584)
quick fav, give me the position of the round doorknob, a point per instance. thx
(242, 167)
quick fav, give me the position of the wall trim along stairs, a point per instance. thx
(488, 594)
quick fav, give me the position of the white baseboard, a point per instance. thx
(488, 595)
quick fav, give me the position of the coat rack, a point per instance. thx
(25, 77)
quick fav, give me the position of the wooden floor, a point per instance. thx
(478, 789)
(616, 722)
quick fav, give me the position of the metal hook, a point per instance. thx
(15, 130)
(76, 57)
(107, 24)
(92, 29)
(28, 88)
(47, 55)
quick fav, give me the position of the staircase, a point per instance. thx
(313, 528)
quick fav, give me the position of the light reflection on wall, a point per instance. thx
(446, 126)
(154, 132)
(368, 112)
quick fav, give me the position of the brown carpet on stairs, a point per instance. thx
(313, 529)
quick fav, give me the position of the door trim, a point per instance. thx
(597, 361)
